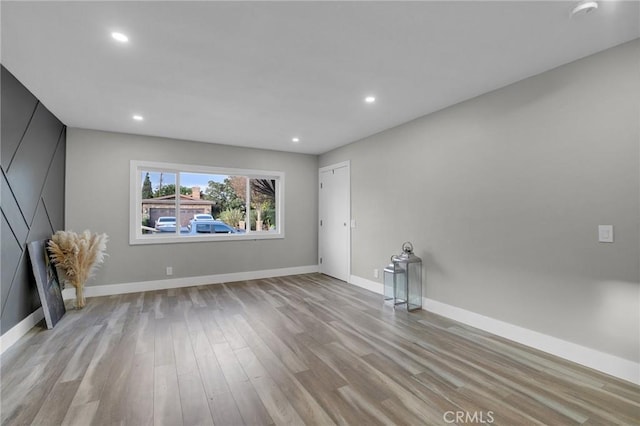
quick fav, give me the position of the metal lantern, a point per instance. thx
(407, 278)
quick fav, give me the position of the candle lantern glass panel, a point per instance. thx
(400, 283)
(414, 286)
(388, 282)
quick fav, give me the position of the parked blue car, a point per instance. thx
(211, 227)
(203, 227)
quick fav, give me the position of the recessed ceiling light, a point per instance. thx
(138, 117)
(120, 37)
(585, 6)
(370, 99)
(295, 140)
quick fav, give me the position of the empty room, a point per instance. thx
(320, 212)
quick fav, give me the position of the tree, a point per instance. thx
(231, 194)
(262, 190)
(239, 186)
(147, 190)
(224, 196)
(232, 217)
(263, 193)
(266, 187)
(170, 189)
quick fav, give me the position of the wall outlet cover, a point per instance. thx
(605, 233)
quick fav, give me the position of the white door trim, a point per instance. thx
(341, 164)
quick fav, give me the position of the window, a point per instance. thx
(180, 203)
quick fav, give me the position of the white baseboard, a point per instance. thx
(606, 363)
(134, 287)
(16, 332)
(374, 286)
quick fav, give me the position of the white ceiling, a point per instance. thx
(259, 73)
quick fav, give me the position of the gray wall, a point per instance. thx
(32, 197)
(502, 195)
(98, 200)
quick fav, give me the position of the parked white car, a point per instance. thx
(164, 221)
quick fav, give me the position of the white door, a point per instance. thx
(335, 221)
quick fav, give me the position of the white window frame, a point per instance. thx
(135, 201)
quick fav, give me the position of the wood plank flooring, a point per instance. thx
(305, 349)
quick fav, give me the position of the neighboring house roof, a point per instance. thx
(171, 199)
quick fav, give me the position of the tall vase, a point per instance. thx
(79, 304)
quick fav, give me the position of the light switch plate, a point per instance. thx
(605, 233)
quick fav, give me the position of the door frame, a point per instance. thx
(341, 164)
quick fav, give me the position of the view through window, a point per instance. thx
(177, 202)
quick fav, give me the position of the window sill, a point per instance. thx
(171, 239)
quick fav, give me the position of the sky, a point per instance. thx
(186, 179)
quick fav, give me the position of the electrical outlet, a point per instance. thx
(376, 273)
(605, 233)
(169, 270)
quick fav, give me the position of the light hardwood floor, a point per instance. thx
(296, 350)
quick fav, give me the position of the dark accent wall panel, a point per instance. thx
(22, 298)
(18, 107)
(11, 211)
(28, 170)
(32, 203)
(53, 192)
(10, 258)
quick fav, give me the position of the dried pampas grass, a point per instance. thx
(78, 256)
